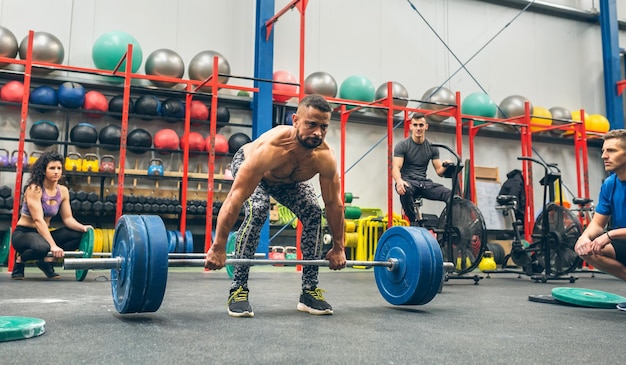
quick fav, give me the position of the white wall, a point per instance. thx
(551, 61)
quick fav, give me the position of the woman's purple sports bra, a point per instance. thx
(49, 210)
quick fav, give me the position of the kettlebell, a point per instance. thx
(459, 263)
(13, 160)
(156, 167)
(33, 157)
(107, 164)
(73, 161)
(90, 163)
(487, 263)
(4, 157)
(291, 252)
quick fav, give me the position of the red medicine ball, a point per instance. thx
(95, 100)
(166, 139)
(221, 143)
(196, 142)
(199, 110)
(12, 91)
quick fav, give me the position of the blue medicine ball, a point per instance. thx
(71, 95)
(44, 95)
(173, 107)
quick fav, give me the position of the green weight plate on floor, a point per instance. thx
(548, 299)
(20, 328)
(86, 246)
(587, 297)
(230, 250)
(5, 247)
(156, 278)
(129, 281)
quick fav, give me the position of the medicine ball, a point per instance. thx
(199, 110)
(44, 95)
(12, 91)
(196, 142)
(95, 100)
(148, 105)
(221, 143)
(223, 114)
(109, 137)
(173, 108)
(44, 130)
(166, 139)
(139, 138)
(236, 141)
(84, 135)
(117, 103)
(71, 95)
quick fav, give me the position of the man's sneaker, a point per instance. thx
(18, 271)
(238, 305)
(622, 306)
(312, 301)
(47, 268)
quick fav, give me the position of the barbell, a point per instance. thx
(408, 266)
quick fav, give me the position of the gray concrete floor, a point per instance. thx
(492, 322)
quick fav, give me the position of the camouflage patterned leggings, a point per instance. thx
(301, 200)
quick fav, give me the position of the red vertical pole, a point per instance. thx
(124, 133)
(344, 122)
(185, 180)
(389, 103)
(472, 178)
(211, 163)
(526, 137)
(585, 156)
(20, 147)
(302, 7)
(459, 136)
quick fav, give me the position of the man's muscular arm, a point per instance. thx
(333, 202)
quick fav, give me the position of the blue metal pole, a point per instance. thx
(262, 101)
(610, 58)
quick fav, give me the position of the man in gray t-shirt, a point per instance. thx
(410, 162)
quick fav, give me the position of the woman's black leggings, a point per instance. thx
(30, 245)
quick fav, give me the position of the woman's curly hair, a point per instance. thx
(38, 169)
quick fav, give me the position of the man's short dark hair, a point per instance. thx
(417, 115)
(316, 101)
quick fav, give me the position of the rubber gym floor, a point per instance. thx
(492, 322)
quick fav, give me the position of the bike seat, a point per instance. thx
(582, 201)
(506, 199)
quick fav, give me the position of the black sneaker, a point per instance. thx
(48, 269)
(622, 306)
(312, 301)
(238, 305)
(18, 271)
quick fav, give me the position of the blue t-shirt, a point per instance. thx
(612, 201)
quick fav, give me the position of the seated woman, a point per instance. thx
(43, 199)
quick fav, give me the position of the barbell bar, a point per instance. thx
(408, 264)
(116, 263)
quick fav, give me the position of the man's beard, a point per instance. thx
(310, 144)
